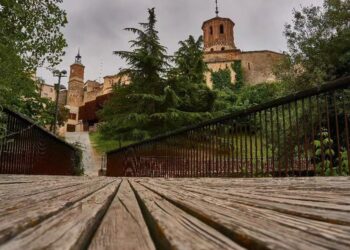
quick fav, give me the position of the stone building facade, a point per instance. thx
(84, 95)
(220, 52)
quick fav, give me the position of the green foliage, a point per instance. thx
(78, 160)
(221, 79)
(32, 28)
(319, 44)
(30, 35)
(326, 158)
(237, 68)
(259, 94)
(190, 67)
(104, 145)
(159, 98)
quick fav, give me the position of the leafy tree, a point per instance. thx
(187, 77)
(159, 98)
(137, 110)
(190, 66)
(30, 35)
(33, 29)
(319, 44)
(259, 94)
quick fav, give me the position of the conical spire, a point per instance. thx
(78, 57)
(217, 8)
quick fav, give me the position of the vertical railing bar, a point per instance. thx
(329, 136)
(285, 153)
(278, 141)
(346, 130)
(267, 144)
(321, 136)
(306, 154)
(312, 135)
(261, 144)
(337, 131)
(251, 147)
(297, 136)
(291, 144)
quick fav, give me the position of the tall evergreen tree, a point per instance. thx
(159, 98)
(187, 78)
(147, 106)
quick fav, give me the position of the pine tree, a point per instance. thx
(159, 98)
(187, 78)
(147, 106)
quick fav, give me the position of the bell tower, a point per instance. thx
(76, 83)
(218, 33)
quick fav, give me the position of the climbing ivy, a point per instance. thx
(221, 79)
(237, 68)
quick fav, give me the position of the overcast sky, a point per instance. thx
(96, 27)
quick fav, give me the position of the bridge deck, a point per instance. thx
(111, 213)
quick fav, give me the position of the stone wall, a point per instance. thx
(257, 66)
(48, 91)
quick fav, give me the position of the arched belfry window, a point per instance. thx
(222, 30)
(211, 30)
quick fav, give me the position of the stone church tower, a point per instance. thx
(218, 34)
(220, 52)
(76, 83)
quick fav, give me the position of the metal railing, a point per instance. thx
(26, 148)
(305, 134)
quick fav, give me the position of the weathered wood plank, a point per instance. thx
(123, 226)
(258, 226)
(19, 215)
(72, 228)
(175, 229)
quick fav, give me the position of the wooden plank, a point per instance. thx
(72, 228)
(258, 227)
(173, 228)
(123, 226)
(20, 215)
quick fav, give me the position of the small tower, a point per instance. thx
(218, 33)
(76, 83)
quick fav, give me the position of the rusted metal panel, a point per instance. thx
(27, 148)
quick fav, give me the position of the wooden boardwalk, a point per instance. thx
(47, 212)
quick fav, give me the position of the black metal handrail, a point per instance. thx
(27, 148)
(269, 120)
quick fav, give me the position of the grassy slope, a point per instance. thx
(102, 145)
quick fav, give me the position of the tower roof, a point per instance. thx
(218, 18)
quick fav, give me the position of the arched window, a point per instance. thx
(211, 50)
(222, 29)
(223, 48)
(211, 30)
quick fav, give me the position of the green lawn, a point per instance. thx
(102, 145)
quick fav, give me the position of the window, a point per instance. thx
(211, 30)
(211, 50)
(222, 29)
(223, 48)
(72, 116)
(249, 66)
